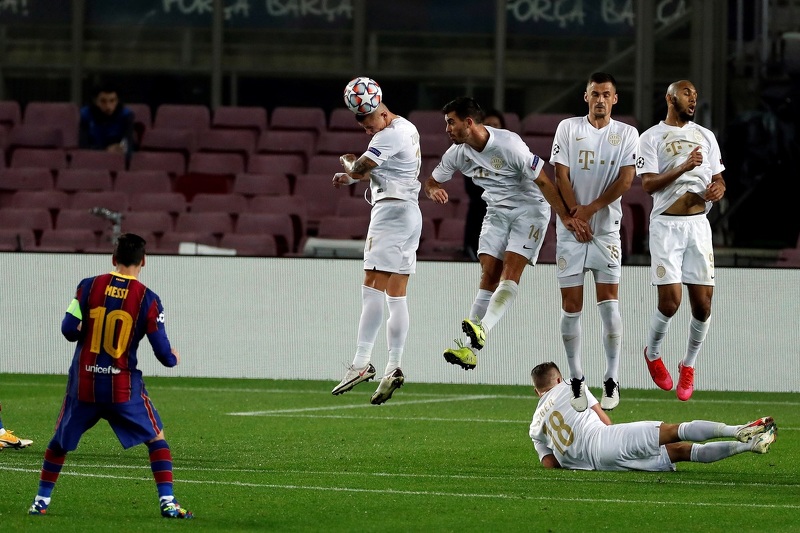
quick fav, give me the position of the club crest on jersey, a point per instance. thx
(614, 139)
(497, 162)
(374, 151)
(698, 136)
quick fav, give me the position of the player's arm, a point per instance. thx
(550, 461)
(652, 182)
(582, 231)
(71, 323)
(619, 187)
(601, 414)
(355, 170)
(715, 190)
(157, 335)
(435, 191)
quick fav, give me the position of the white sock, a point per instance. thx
(368, 325)
(571, 335)
(714, 451)
(697, 334)
(659, 324)
(612, 336)
(46, 500)
(2, 431)
(480, 304)
(396, 330)
(700, 430)
(502, 299)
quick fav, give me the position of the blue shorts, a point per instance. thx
(133, 422)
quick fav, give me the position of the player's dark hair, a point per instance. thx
(545, 374)
(602, 77)
(103, 86)
(464, 107)
(495, 113)
(129, 250)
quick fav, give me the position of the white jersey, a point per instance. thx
(395, 149)
(594, 158)
(560, 430)
(505, 169)
(664, 147)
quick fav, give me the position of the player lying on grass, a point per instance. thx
(566, 438)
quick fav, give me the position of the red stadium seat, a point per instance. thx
(136, 181)
(170, 242)
(542, 123)
(216, 163)
(10, 113)
(50, 199)
(342, 119)
(263, 245)
(298, 118)
(17, 240)
(25, 136)
(178, 116)
(68, 240)
(214, 223)
(434, 144)
(25, 179)
(547, 254)
(241, 142)
(294, 206)
(343, 227)
(32, 218)
(154, 222)
(238, 117)
(62, 115)
(448, 244)
(348, 206)
(428, 121)
(169, 202)
(342, 142)
(513, 123)
(97, 160)
(72, 180)
(261, 184)
(141, 114)
(319, 194)
(278, 225)
(50, 158)
(291, 165)
(170, 140)
(114, 201)
(82, 219)
(325, 164)
(173, 163)
(302, 143)
(231, 204)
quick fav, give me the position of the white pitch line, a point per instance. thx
(358, 406)
(433, 493)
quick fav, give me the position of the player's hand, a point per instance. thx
(347, 161)
(715, 191)
(342, 178)
(582, 212)
(695, 159)
(438, 195)
(177, 356)
(581, 230)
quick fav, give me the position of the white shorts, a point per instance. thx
(514, 229)
(632, 446)
(681, 250)
(602, 255)
(393, 237)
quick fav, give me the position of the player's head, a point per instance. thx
(682, 100)
(461, 115)
(545, 376)
(105, 97)
(494, 118)
(129, 250)
(601, 94)
(375, 121)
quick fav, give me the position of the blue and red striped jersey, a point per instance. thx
(109, 316)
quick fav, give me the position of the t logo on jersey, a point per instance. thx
(586, 157)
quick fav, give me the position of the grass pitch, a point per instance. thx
(261, 455)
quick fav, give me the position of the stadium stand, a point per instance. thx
(231, 204)
(542, 123)
(257, 245)
(291, 165)
(49, 158)
(342, 119)
(343, 227)
(64, 116)
(17, 240)
(251, 118)
(97, 160)
(261, 185)
(25, 179)
(279, 225)
(299, 118)
(168, 202)
(172, 162)
(143, 181)
(72, 180)
(179, 116)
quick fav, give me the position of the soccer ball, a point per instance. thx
(362, 95)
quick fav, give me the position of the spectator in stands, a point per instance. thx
(9, 440)
(476, 209)
(105, 123)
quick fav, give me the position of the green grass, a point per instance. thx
(434, 458)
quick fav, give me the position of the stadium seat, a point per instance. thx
(342, 119)
(542, 123)
(62, 115)
(180, 116)
(231, 204)
(434, 144)
(168, 202)
(97, 159)
(436, 212)
(343, 227)
(250, 245)
(541, 145)
(278, 225)
(49, 158)
(111, 200)
(216, 163)
(448, 244)
(214, 223)
(261, 184)
(640, 204)
(173, 163)
(627, 119)
(291, 165)
(68, 240)
(302, 143)
(82, 219)
(17, 240)
(298, 118)
(170, 242)
(327, 164)
(141, 114)
(319, 194)
(547, 254)
(348, 206)
(169, 140)
(513, 123)
(342, 142)
(153, 222)
(25, 179)
(238, 117)
(294, 206)
(51, 199)
(32, 218)
(428, 121)
(10, 113)
(240, 141)
(72, 180)
(24, 136)
(136, 181)
(628, 233)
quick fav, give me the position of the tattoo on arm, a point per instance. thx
(362, 167)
